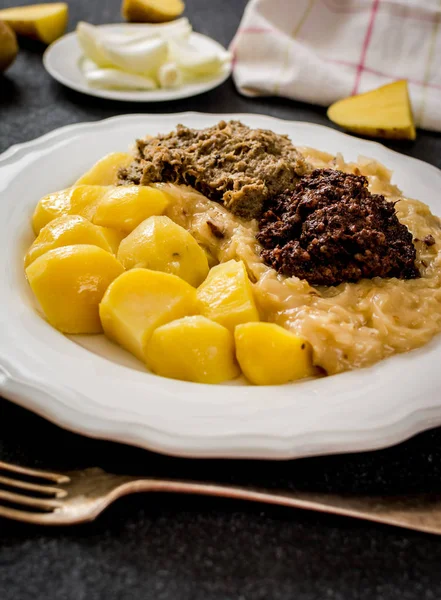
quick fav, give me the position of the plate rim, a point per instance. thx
(22, 390)
(118, 95)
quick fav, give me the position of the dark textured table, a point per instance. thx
(183, 548)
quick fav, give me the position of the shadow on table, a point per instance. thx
(9, 91)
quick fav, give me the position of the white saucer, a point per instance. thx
(62, 61)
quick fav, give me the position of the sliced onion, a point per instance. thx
(139, 57)
(195, 61)
(89, 39)
(118, 80)
(170, 76)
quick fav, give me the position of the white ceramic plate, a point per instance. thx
(90, 386)
(62, 61)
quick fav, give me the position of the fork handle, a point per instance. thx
(420, 513)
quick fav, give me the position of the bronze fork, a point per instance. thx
(78, 496)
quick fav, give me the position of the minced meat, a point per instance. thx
(228, 163)
(331, 229)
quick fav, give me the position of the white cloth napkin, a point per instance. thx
(319, 51)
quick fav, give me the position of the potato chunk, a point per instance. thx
(161, 245)
(105, 171)
(152, 11)
(43, 22)
(69, 283)
(50, 207)
(78, 200)
(126, 207)
(85, 199)
(385, 112)
(141, 300)
(193, 349)
(226, 296)
(68, 230)
(270, 355)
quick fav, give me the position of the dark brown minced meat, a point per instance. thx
(331, 229)
(229, 163)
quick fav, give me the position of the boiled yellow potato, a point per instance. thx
(44, 22)
(193, 349)
(141, 300)
(50, 207)
(85, 199)
(226, 296)
(152, 11)
(270, 355)
(69, 283)
(8, 46)
(68, 230)
(384, 112)
(78, 200)
(161, 245)
(125, 207)
(105, 171)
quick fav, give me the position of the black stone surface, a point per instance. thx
(181, 548)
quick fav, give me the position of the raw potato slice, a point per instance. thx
(161, 245)
(105, 171)
(385, 112)
(44, 22)
(69, 283)
(50, 207)
(125, 207)
(68, 230)
(226, 296)
(152, 11)
(8, 46)
(270, 355)
(193, 349)
(139, 301)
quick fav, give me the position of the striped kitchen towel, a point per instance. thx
(319, 51)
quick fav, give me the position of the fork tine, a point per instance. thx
(28, 517)
(43, 503)
(34, 473)
(33, 487)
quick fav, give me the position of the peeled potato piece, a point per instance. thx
(50, 207)
(78, 200)
(85, 199)
(141, 300)
(160, 244)
(385, 112)
(69, 283)
(68, 230)
(105, 171)
(44, 22)
(226, 296)
(152, 11)
(125, 207)
(8, 46)
(270, 355)
(193, 349)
